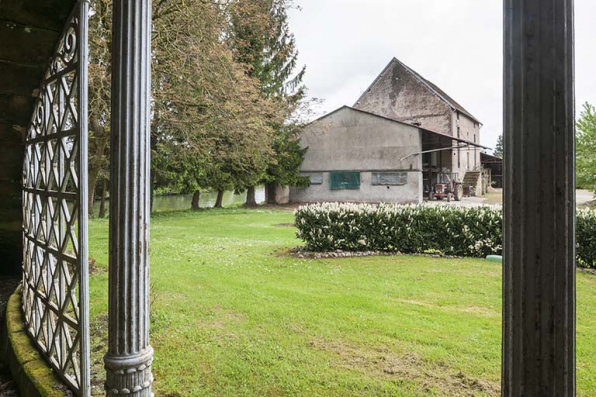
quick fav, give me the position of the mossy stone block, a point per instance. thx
(32, 374)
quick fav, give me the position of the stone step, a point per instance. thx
(472, 178)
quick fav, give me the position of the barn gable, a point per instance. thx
(401, 93)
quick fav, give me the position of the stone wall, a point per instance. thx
(399, 95)
(469, 158)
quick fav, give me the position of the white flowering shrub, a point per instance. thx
(586, 238)
(451, 230)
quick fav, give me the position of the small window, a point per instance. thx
(390, 178)
(315, 179)
(344, 180)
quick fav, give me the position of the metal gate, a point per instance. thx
(55, 257)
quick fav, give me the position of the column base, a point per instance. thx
(129, 375)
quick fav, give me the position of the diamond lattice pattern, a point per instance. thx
(51, 262)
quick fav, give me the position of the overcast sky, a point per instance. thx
(456, 44)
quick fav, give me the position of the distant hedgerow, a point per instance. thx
(458, 231)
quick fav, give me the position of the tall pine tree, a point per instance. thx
(498, 152)
(261, 39)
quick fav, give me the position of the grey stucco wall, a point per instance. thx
(399, 95)
(411, 193)
(349, 140)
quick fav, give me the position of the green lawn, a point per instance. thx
(232, 316)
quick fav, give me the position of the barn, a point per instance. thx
(357, 156)
(403, 136)
(494, 166)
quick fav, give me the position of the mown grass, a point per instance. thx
(233, 316)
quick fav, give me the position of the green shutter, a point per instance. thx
(344, 180)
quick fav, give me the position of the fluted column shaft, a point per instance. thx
(129, 357)
(539, 207)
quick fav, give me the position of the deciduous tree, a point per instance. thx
(586, 147)
(100, 25)
(211, 126)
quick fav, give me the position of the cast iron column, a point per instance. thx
(129, 357)
(539, 208)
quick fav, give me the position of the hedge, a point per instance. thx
(586, 238)
(449, 230)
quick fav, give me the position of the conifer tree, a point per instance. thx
(261, 39)
(498, 152)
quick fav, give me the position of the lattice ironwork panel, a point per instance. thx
(55, 264)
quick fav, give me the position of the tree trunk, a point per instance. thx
(270, 189)
(102, 205)
(251, 199)
(97, 152)
(91, 194)
(152, 193)
(219, 201)
(93, 176)
(195, 200)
